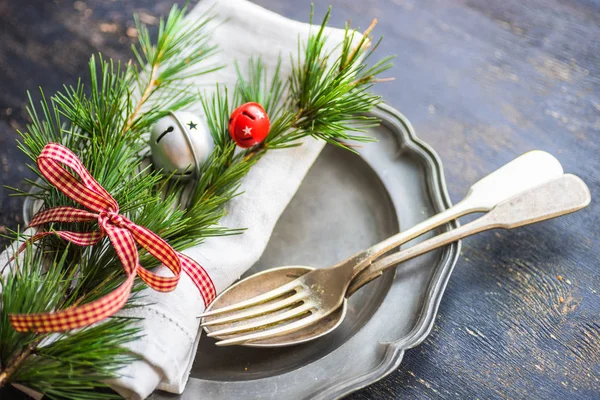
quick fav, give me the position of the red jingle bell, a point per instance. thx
(249, 125)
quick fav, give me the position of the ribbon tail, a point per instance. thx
(124, 245)
(158, 282)
(78, 238)
(75, 317)
(160, 250)
(174, 261)
(200, 277)
(62, 214)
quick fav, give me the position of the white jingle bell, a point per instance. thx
(180, 144)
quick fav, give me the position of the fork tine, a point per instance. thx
(265, 322)
(258, 310)
(273, 332)
(280, 291)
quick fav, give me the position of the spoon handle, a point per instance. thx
(525, 172)
(560, 196)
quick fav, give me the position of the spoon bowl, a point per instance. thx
(267, 280)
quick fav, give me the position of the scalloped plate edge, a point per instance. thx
(437, 184)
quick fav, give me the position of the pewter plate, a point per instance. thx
(346, 203)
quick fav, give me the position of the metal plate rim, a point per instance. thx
(395, 349)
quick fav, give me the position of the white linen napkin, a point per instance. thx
(170, 323)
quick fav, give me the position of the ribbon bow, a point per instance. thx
(122, 233)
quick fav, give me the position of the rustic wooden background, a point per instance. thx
(482, 82)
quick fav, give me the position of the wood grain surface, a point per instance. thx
(482, 82)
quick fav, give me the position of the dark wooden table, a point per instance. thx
(482, 82)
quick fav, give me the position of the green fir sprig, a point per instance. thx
(323, 98)
(68, 365)
(105, 121)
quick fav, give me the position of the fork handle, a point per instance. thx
(363, 260)
(376, 269)
(464, 207)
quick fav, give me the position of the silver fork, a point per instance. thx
(318, 293)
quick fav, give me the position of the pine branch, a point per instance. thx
(319, 101)
(145, 96)
(326, 102)
(104, 124)
(167, 64)
(56, 364)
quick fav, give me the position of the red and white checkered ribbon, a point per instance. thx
(123, 235)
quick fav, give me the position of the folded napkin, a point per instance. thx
(170, 323)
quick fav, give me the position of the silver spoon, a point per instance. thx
(525, 172)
